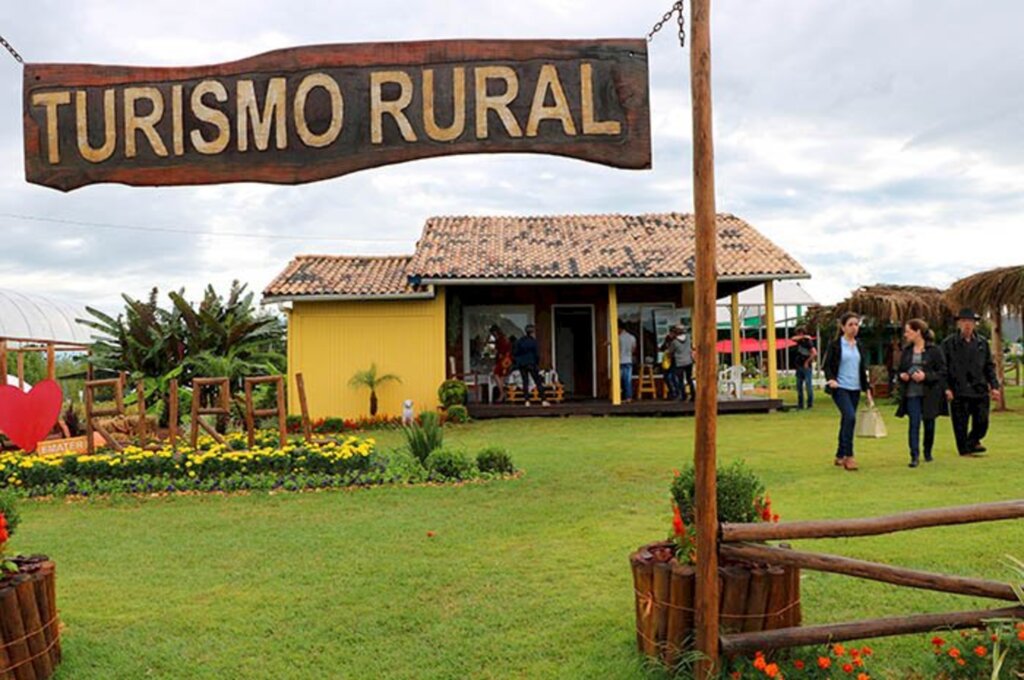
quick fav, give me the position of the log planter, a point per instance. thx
(754, 597)
(29, 626)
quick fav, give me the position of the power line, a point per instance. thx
(189, 232)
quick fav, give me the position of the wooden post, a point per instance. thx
(51, 362)
(140, 389)
(997, 354)
(21, 369)
(300, 386)
(172, 420)
(769, 321)
(706, 425)
(737, 330)
(613, 330)
(90, 445)
(282, 411)
(3, 361)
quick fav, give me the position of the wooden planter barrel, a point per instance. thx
(753, 598)
(29, 626)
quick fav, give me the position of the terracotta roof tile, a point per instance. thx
(590, 246)
(358, 276)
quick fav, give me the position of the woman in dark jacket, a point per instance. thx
(922, 377)
(846, 376)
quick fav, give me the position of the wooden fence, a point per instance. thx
(738, 543)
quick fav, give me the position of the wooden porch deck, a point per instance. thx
(596, 407)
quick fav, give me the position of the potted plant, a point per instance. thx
(29, 625)
(753, 596)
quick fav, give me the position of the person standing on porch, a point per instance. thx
(681, 347)
(627, 353)
(922, 375)
(971, 380)
(846, 376)
(502, 359)
(801, 356)
(526, 354)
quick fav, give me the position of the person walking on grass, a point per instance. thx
(921, 374)
(527, 357)
(970, 383)
(801, 356)
(846, 376)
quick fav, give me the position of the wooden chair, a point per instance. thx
(646, 384)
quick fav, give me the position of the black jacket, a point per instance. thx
(526, 351)
(831, 364)
(970, 371)
(934, 383)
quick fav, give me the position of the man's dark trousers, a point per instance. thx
(972, 411)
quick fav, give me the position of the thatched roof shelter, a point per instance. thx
(990, 292)
(889, 304)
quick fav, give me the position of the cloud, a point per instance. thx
(875, 145)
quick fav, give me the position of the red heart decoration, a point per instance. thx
(26, 418)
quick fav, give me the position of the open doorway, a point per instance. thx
(573, 349)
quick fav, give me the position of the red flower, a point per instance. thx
(866, 651)
(824, 662)
(938, 642)
(677, 521)
(981, 650)
(798, 664)
(847, 667)
(954, 653)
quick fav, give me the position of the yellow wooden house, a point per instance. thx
(577, 278)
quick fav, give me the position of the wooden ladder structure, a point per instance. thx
(252, 413)
(222, 407)
(91, 412)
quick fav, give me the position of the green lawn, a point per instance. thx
(525, 578)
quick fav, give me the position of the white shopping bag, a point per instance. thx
(869, 421)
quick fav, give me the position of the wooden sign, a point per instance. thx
(63, 447)
(310, 113)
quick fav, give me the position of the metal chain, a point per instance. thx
(677, 9)
(14, 52)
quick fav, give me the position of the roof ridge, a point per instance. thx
(404, 256)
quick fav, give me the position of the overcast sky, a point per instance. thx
(876, 142)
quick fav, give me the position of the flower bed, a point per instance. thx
(346, 461)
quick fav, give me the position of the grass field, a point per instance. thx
(523, 579)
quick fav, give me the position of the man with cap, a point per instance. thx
(971, 382)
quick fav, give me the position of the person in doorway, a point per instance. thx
(970, 382)
(502, 359)
(922, 378)
(846, 376)
(627, 354)
(681, 347)
(802, 355)
(526, 355)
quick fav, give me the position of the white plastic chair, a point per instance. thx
(730, 381)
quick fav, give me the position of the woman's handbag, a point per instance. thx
(666, 361)
(869, 421)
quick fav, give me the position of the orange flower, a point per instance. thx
(847, 667)
(866, 651)
(838, 650)
(824, 662)
(677, 521)
(1020, 634)
(858, 662)
(961, 662)
(760, 664)
(954, 653)
(981, 650)
(771, 670)
(863, 676)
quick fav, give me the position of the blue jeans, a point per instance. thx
(846, 401)
(626, 378)
(804, 380)
(915, 411)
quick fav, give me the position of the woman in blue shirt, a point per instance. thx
(846, 376)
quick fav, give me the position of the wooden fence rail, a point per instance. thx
(748, 643)
(873, 526)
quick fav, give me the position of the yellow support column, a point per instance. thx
(769, 319)
(613, 330)
(737, 336)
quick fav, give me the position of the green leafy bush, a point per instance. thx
(9, 509)
(452, 393)
(496, 460)
(450, 465)
(740, 493)
(425, 436)
(457, 414)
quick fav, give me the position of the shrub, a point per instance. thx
(457, 414)
(740, 493)
(495, 459)
(9, 509)
(452, 393)
(449, 464)
(425, 436)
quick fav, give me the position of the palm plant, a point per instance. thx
(371, 380)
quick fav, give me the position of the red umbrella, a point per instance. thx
(752, 345)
